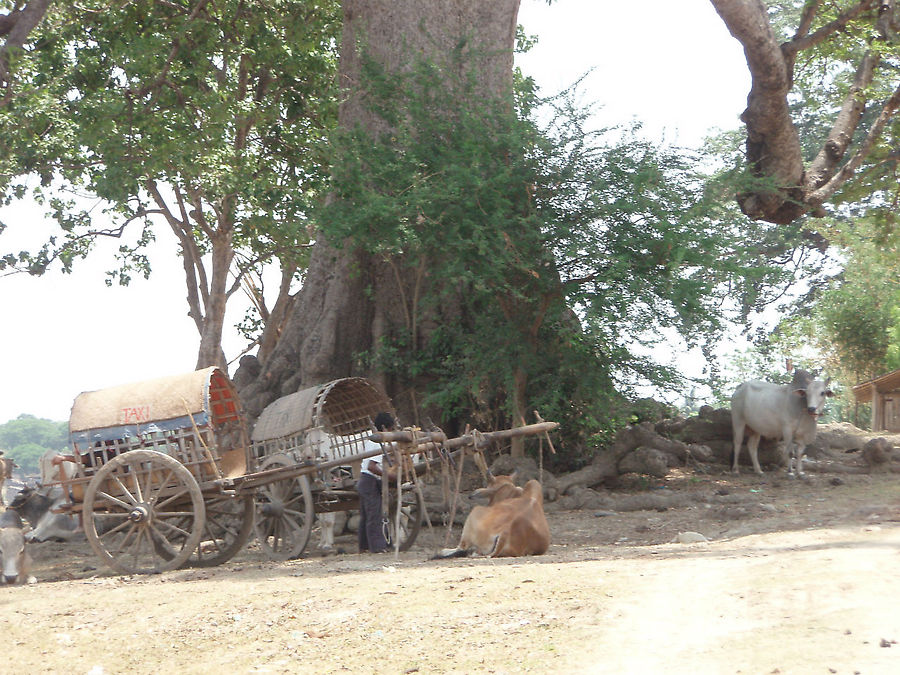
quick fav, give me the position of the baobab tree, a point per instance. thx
(350, 301)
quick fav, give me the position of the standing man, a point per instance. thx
(371, 524)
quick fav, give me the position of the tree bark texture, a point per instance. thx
(773, 141)
(350, 300)
(276, 319)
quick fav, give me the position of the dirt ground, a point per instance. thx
(797, 577)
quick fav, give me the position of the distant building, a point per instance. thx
(884, 394)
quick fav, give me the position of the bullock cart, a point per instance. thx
(154, 464)
(324, 428)
(165, 474)
(164, 471)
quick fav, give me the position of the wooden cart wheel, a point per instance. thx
(284, 513)
(412, 512)
(229, 522)
(150, 509)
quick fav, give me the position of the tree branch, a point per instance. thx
(195, 310)
(773, 146)
(841, 135)
(818, 197)
(17, 25)
(802, 40)
(809, 14)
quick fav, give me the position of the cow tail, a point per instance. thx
(495, 549)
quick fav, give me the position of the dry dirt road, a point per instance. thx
(798, 577)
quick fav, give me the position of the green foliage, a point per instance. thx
(567, 250)
(856, 318)
(892, 354)
(845, 326)
(26, 438)
(854, 322)
(157, 112)
(856, 314)
(767, 360)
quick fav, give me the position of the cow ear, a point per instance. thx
(799, 392)
(512, 476)
(829, 393)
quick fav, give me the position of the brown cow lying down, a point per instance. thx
(512, 524)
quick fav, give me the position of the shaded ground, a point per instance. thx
(799, 576)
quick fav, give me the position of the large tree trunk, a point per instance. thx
(350, 300)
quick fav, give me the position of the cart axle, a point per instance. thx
(273, 509)
(139, 514)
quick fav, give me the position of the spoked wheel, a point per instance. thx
(151, 509)
(412, 512)
(284, 513)
(229, 522)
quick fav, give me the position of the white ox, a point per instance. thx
(16, 563)
(38, 510)
(786, 411)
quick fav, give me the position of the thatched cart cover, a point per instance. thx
(339, 408)
(180, 401)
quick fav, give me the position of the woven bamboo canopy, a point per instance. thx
(179, 401)
(339, 407)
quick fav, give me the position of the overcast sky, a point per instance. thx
(671, 65)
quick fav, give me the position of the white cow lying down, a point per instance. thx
(37, 507)
(778, 411)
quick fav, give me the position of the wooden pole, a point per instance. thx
(484, 438)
